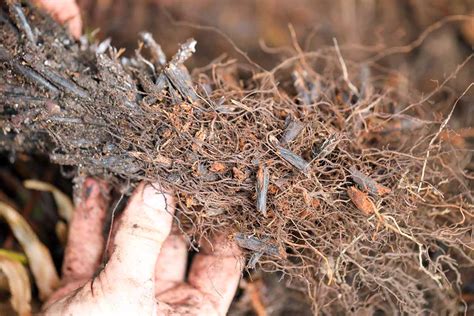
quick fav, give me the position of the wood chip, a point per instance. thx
(367, 183)
(292, 131)
(254, 259)
(178, 75)
(308, 88)
(185, 51)
(361, 200)
(295, 160)
(327, 147)
(180, 79)
(157, 54)
(263, 179)
(255, 244)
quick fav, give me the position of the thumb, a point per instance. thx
(126, 285)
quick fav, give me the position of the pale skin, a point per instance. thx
(146, 270)
(145, 274)
(64, 11)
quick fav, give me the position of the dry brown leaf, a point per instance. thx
(273, 189)
(217, 167)
(167, 133)
(239, 174)
(41, 263)
(382, 190)
(64, 203)
(315, 202)
(167, 162)
(309, 200)
(140, 156)
(361, 200)
(458, 138)
(18, 283)
(189, 201)
(201, 135)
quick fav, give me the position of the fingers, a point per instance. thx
(143, 228)
(126, 284)
(170, 267)
(64, 11)
(86, 241)
(216, 272)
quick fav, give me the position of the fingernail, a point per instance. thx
(152, 194)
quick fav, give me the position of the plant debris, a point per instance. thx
(39, 257)
(292, 130)
(263, 179)
(18, 283)
(15, 256)
(63, 202)
(361, 200)
(254, 244)
(297, 161)
(368, 184)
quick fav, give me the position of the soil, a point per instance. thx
(334, 176)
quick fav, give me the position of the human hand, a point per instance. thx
(146, 271)
(64, 11)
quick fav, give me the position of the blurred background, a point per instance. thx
(261, 28)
